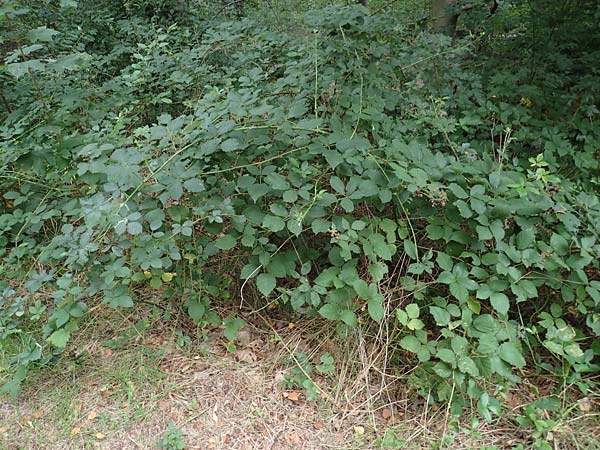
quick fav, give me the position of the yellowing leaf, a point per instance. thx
(75, 431)
(359, 430)
(167, 276)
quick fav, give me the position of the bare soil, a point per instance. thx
(122, 398)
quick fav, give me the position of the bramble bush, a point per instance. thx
(352, 169)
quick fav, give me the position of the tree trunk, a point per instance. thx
(444, 16)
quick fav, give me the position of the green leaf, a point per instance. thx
(487, 344)
(412, 311)
(485, 323)
(459, 292)
(410, 343)
(460, 345)
(442, 370)
(348, 317)
(366, 188)
(134, 228)
(320, 226)
(509, 353)
(233, 325)
(347, 204)
(447, 356)
(278, 181)
(376, 310)
(248, 271)
(265, 283)
(60, 317)
(446, 277)
(42, 34)
(124, 300)
(337, 184)
(273, 223)
(559, 244)
(381, 247)
(500, 303)
(402, 316)
(194, 185)
(464, 209)
(196, 309)
(467, 365)
(411, 249)
(362, 289)
(59, 338)
(574, 350)
(230, 145)
(444, 261)
(290, 196)
(441, 316)
(226, 242)
(423, 354)
(458, 191)
(330, 311)
(415, 324)
(378, 271)
(484, 233)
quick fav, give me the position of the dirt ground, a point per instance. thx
(123, 391)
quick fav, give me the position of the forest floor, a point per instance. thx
(137, 390)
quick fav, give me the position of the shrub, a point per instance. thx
(357, 171)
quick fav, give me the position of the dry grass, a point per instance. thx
(125, 398)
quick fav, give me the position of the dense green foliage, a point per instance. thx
(346, 166)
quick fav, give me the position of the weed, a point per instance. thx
(172, 439)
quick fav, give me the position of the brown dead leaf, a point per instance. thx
(215, 417)
(75, 431)
(228, 376)
(164, 404)
(585, 405)
(38, 414)
(107, 353)
(92, 415)
(243, 338)
(318, 425)
(292, 396)
(100, 436)
(294, 438)
(245, 355)
(107, 391)
(513, 400)
(25, 420)
(386, 413)
(562, 429)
